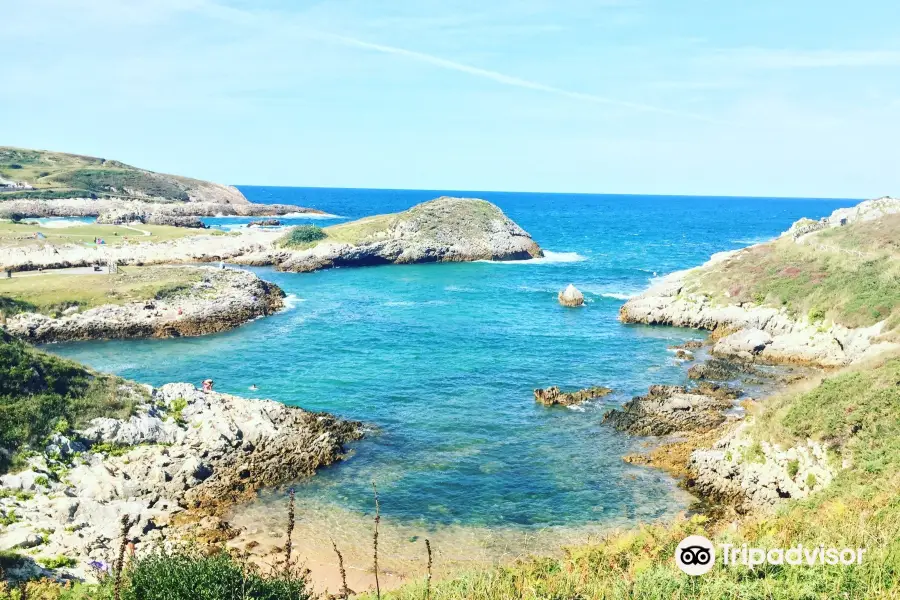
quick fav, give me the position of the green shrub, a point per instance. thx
(186, 574)
(811, 481)
(816, 314)
(9, 518)
(793, 467)
(111, 449)
(58, 562)
(302, 235)
(177, 407)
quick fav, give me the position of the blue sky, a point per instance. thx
(770, 97)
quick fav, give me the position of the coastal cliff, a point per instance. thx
(198, 301)
(826, 297)
(441, 230)
(170, 459)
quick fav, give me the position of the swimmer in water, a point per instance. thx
(253, 388)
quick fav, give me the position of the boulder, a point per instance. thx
(744, 344)
(571, 296)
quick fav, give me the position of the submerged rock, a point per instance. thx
(551, 396)
(571, 296)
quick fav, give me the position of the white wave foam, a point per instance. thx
(303, 215)
(549, 257)
(753, 241)
(617, 295)
(291, 301)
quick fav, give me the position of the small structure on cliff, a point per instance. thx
(571, 297)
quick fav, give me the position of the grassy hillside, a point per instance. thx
(50, 293)
(858, 411)
(41, 393)
(60, 175)
(849, 275)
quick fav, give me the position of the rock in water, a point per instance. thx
(571, 296)
(551, 396)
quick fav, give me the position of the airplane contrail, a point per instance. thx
(504, 79)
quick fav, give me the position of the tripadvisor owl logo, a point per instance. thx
(695, 555)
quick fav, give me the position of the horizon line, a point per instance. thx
(627, 194)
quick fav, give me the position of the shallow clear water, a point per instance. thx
(441, 359)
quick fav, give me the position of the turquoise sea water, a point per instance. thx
(441, 360)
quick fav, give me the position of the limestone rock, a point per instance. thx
(551, 396)
(227, 298)
(668, 409)
(571, 296)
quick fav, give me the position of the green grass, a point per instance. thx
(469, 215)
(849, 275)
(857, 413)
(38, 389)
(22, 234)
(51, 293)
(61, 175)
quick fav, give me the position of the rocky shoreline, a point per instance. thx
(442, 230)
(220, 300)
(171, 469)
(110, 209)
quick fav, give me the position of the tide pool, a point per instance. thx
(441, 360)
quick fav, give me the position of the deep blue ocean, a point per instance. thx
(440, 360)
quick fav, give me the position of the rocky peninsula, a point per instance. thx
(442, 230)
(41, 183)
(763, 307)
(776, 303)
(201, 300)
(180, 459)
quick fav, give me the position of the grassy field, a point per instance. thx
(22, 234)
(57, 174)
(849, 275)
(858, 412)
(52, 292)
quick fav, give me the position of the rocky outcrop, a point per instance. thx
(753, 475)
(441, 230)
(88, 207)
(667, 409)
(761, 333)
(551, 396)
(183, 455)
(265, 223)
(123, 216)
(571, 296)
(222, 299)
